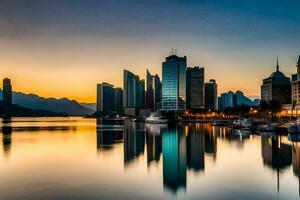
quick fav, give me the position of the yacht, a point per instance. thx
(247, 123)
(155, 118)
(267, 127)
(294, 128)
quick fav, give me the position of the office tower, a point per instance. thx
(211, 95)
(149, 91)
(142, 94)
(276, 87)
(174, 83)
(157, 93)
(296, 87)
(194, 88)
(7, 92)
(118, 100)
(105, 97)
(129, 89)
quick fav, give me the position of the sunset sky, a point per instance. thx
(63, 48)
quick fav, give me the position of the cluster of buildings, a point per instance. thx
(285, 90)
(181, 88)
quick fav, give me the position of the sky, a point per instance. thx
(63, 48)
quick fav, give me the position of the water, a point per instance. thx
(61, 158)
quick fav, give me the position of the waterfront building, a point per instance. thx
(118, 100)
(195, 88)
(211, 95)
(157, 93)
(174, 83)
(7, 92)
(153, 92)
(296, 85)
(105, 97)
(149, 91)
(232, 100)
(142, 94)
(276, 87)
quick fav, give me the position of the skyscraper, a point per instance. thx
(7, 92)
(276, 87)
(211, 95)
(195, 88)
(131, 90)
(142, 94)
(105, 97)
(157, 93)
(174, 83)
(118, 100)
(153, 92)
(149, 91)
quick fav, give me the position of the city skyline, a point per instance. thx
(50, 42)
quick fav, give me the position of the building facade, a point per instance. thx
(118, 100)
(211, 95)
(174, 83)
(195, 88)
(7, 92)
(276, 87)
(105, 97)
(296, 85)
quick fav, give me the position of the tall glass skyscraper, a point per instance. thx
(174, 83)
(7, 92)
(195, 88)
(134, 91)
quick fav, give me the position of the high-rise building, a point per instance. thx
(142, 94)
(157, 93)
(7, 92)
(174, 83)
(195, 88)
(211, 95)
(153, 92)
(132, 94)
(118, 100)
(149, 91)
(296, 85)
(105, 97)
(276, 87)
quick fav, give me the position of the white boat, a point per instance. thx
(237, 123)
(267, 127)
(294, 128)
(155, 118)
(247, 123)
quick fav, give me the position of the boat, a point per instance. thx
(294, 128)
(237, 124)
(247, 123)
(156, 118)
(267, 128)
(220, 122)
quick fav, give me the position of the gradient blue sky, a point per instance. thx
(59, 48)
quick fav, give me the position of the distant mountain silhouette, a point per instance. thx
(63, 105)
(91, 106)
(18, 111)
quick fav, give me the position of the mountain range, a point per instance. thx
(35, 102)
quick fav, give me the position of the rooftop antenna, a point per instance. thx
(176, 52)
(277, 66)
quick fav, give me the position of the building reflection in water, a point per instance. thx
(174, 158)
(210, 135)
(109, 133)
(134, 140)
(6, 136)
(195, 146)
(275, 154)
(295, 139)
(154, 142)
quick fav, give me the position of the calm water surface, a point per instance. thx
(61, 158)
